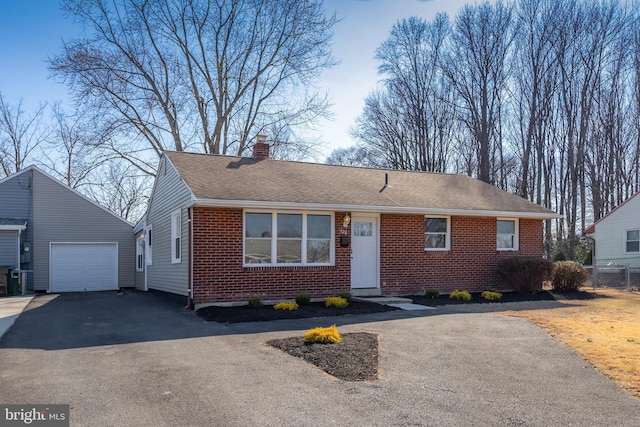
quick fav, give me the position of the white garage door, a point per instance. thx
(77, 267)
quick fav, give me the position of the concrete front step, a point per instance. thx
(383, 300)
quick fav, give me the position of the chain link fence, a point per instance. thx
(614, 276)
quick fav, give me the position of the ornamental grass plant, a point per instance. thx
(329, 335)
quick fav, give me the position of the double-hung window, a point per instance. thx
(632, 241)
(285, 238)
(436, 233)
(507, 234)
(176, 237)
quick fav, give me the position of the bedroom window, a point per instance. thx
(436, 233)
(632, 241)
(176, 237)
(507, 235)
(287, 238)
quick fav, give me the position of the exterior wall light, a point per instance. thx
(346, 220)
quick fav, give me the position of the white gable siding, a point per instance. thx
(610, 234)
(169, 194)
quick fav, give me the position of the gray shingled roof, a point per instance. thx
(239, 181)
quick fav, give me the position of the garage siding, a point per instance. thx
(8, 248)
(61, 215)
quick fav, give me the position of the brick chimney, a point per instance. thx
(261, 148)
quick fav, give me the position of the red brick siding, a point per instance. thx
(471, 263)
(219, 275)
(405, 267)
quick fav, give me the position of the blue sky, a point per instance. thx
(33, 30)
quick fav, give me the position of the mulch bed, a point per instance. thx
(477, 299)
(356, 357)
(353, 359)
(267, 312)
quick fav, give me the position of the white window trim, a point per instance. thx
(148, 245)
(447, 244)
(176, 233)
(516, 236)
(624, 241)
(140, 244)
(274, 239)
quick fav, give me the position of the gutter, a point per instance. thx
(248, 204)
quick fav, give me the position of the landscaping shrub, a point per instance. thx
(524, 274)
(328, 335)
(338, 302)
(568, 276)
(345, 295)
(460, 295)
(303, 298)
(432, 293)
(491, 295)
(254, 302)
(559, 257)
(291, 306)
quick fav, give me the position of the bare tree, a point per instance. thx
(20, 136)
(76, 148)
(205, 75)
(407, 123)
(351, 156)
(477, 68)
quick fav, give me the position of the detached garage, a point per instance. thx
(79, 267)
(68, 243)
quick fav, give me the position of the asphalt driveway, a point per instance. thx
(140, 360)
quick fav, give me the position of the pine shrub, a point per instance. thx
(254, 302)
(328, 335)
(568, 276)
(432, 293)
(345, 295)
(303, 298)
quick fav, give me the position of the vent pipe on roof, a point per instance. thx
(261, 148)
(386, 183)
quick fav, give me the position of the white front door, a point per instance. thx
(364, 252)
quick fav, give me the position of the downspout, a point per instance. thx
(190, 255)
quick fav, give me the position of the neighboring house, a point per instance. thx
(62, 240)
(225, 229)
(617, 235)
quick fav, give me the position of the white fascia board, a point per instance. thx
(256, 204)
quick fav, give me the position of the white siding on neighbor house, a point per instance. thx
(169, 194)
(610, 234)
(62, 215)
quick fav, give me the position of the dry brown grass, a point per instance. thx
(605, 331)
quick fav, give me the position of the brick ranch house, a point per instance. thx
(223, 229)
